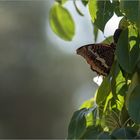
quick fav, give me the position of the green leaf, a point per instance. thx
(116, 5)
(123, 51)
(120, 102)
(133, 104)
(113, 74)
(135, 80)
(120, 82)
(104, 135)
(96, 32)
(92, 112)
(77, 9)
(88, 103)
(61, 1)
(92, 132)
(123, 133)
(84, 2)
(131, 10)
(128, 49)
(61, 22)
(138, 65)
(108, 40)
(122, 89)
(123, 24)
(134, 47)
(77, 126)
(92, 7)
(105, 104)
(103, 91)
(124, 117)
(100, 12)
(91, 117)
(90, 120)
(112, 118)
(134, 55)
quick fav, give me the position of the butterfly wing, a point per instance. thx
(99, 56)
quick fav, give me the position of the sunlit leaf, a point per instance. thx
(103, 91)
(106, 104)
(77, 126)
(133, 104)
(108, 40)
(123, 133)
(122, 89)
(61, 1)
(120, 102)
(61, 22)
(133, 34)
(120, 81)
(92, 113)
(92, 6)
(91, 117)
(88, 103)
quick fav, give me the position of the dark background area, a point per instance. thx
(38, 82)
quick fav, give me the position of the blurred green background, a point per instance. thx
(42, 80)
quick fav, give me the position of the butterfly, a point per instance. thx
(100, 56)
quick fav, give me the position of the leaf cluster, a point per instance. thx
(114, 113)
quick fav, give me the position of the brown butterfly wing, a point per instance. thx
(99, 56)
(106, 52)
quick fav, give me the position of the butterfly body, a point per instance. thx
(100, 56)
